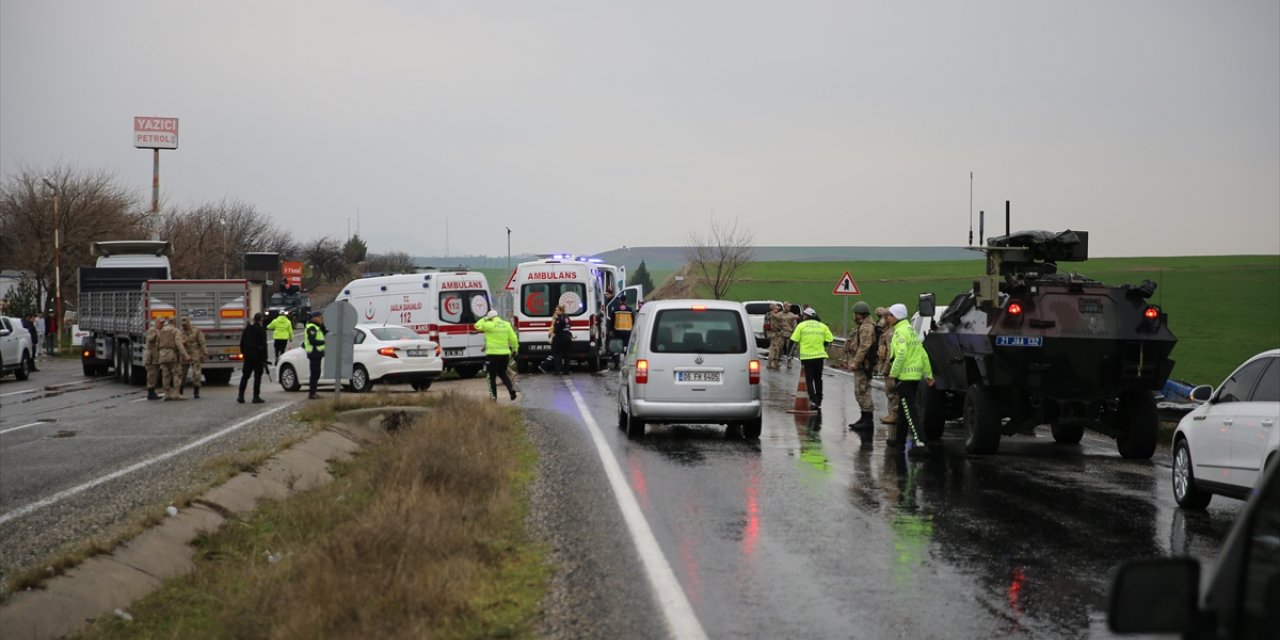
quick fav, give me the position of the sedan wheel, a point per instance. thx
(289, 378)
(1184, 479)
(360, 382)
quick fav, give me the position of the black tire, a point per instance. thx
(289, 378)
(90, 369)
(218, 376)
(467, 371)
(1137, 424)
(119, 362)
(981, 420)
(137, 374)
(1185, 491)
(593, 362)
(751, 429)
(633, 426)
(522, 365)
(933, 412)
(1068, 432)
(360, 382)
(421, 385)
(24, 366)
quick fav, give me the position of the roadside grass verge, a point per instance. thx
(420, 535)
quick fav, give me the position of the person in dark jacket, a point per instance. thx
(253, 346)
(561, 337)
(29, 322)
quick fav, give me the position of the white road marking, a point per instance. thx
(67, 493)
(681, 620)
(22, 427)
(17, 393)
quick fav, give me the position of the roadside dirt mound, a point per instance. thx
(681, 284)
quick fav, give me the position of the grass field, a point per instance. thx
(1223, 309)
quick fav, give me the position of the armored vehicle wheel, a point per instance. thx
(466, 371)
(1184, 479)
(219, 376)
(1067, 433)
(1137, 423)
(981, 420)
(933, 411)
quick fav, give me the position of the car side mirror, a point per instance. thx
(926, 306)
(1155, 596)
(1202, 393)
(4, 332)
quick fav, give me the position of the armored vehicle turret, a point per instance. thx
(1033, 343)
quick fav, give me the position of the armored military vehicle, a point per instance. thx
(1031, 344)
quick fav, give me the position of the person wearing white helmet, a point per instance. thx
(500, 342)
(910, 366)
(812, 336)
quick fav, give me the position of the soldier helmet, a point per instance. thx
(861, 307)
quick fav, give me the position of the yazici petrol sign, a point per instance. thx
(150, 132)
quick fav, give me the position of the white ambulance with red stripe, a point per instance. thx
(577, 283)
(441, 304)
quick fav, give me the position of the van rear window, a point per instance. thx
(540, 300)
(758, 308)
(689, 331)
(463, 306)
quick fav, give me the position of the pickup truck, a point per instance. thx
(16, 352)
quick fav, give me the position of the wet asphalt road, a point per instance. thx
(816, 532)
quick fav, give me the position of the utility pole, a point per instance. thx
(57, 263)
(508, 248)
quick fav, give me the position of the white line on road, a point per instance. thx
(67, 493)
(17, 393)
(681, 620)
(2, 432)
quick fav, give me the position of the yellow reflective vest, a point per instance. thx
(910, 361)
(281, 327)
(499, 338)
(813, 336)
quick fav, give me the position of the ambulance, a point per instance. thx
(577, 283)
(441, 304)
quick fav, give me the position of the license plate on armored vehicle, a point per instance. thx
(1019, 341)
(698, 376)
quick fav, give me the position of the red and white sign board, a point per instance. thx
(846, 286)
(150, 132)
(291, 273)
(511, 281)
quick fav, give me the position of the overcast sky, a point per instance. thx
(586, 126)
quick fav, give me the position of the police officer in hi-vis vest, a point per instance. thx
(313, 344)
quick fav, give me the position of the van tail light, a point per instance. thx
(438, 350)
(753, 372)
(642, 371)
(433, 332)
(389, 352)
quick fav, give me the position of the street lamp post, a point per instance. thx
(57, 264)
(508, 248)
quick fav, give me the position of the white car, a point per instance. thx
(689, 362)
(757, 312)
(1224, 444)
(16, 351)
(388, 354)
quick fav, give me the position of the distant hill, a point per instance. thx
(672, 258)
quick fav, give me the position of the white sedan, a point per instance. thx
(383, 353)
(1224, 445)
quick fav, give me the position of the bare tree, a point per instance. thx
(327, 260)
(91, 206)
(210, 240)
(719, 255)
(389, 263)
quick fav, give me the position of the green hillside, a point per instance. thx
(1222, 308)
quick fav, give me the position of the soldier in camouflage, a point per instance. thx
(198, 349)
(151, 358)
(886, 361)
(862, 349)
(789, 322)
(173, 351)
(774, 322)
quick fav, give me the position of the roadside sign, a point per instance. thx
(846, 286)
(511, 281)
(155, 133)
(340, 318)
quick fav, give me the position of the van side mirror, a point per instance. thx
(1155, 596)
(1202, 393)
(926, 305)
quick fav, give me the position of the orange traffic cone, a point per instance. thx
(802, 397)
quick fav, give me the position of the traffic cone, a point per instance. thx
(802, 397)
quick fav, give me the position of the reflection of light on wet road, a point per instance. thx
(638, 484)
(751, 533)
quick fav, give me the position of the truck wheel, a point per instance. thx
(137, 375)
(1067, 433)
(218, 376)
(360, 382)
(1184, 479)
(1137, 423)
(981, 420)
(933, 411)
(24, 366)
(288, 378)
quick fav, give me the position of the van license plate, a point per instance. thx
(453, 352)
(417, 353)
(539, 347)
(698, 376)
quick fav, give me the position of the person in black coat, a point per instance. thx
(29, 322)
(253, 346)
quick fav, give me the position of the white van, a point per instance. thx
(578, 284)
(442, 305)
(691, 361)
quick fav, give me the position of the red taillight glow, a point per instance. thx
(699, 307)
(1015, 309)
(86, 353)
(389, 352)
(237, 356)
(438, 350)
(1151, 313)
(642, 371)
(753, 372)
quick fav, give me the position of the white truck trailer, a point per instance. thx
(130, 287)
